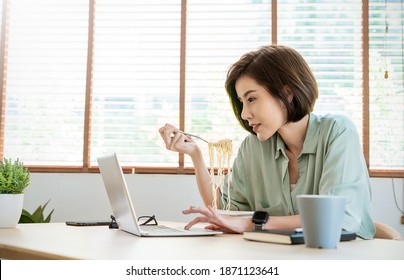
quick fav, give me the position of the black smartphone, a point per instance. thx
(87, 223)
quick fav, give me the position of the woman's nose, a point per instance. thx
(245, 113)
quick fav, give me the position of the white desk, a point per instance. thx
(58, 241)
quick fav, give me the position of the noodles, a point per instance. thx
(223, 150)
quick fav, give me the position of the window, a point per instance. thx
(329, 38)
(136, 76)
(386, 84)
(85, 78)
(45, 81)
(217, 35)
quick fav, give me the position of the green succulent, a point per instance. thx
(37, 216)
(14, 177)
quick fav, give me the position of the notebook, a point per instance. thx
(122, 206)
(287, 236)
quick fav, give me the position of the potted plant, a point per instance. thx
(14, 178)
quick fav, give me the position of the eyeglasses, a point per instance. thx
(113, 223)
(143, 221)
(147, 220)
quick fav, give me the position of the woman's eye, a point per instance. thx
(251, 99)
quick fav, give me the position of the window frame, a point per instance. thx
(180, 169)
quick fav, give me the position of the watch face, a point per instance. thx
(260, 217)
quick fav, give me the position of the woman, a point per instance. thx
(290, 150)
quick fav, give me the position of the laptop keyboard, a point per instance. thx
(159, 228)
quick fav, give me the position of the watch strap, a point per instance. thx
(258, 226)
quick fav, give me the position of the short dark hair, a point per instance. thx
(274, 67)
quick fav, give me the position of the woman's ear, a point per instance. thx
(289, 93)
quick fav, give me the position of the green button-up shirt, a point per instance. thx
(331, 163)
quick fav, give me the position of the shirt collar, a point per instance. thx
(310, 142)
(280, 146)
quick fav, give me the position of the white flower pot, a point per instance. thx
(10, 209)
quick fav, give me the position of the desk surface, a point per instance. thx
(58, 241)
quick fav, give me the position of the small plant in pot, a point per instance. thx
(14, 179)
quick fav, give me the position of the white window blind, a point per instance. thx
(136, 79)
(218, 33)
(46, 75)
(329, 36)
(137, 73)
(386, 92)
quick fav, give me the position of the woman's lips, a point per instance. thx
(255, 127)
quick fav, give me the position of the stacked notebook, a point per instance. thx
(288, 236)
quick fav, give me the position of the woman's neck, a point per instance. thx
(294, 133)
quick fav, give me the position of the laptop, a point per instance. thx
(122, 206)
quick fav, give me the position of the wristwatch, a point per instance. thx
(259, 219)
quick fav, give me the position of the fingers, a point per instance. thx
(173, 138)
(209, 215)
(166, 133)
(213, 227)
(195, 221)
(197, 210)
(170, 135)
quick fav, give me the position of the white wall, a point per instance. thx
(83, 197)
(388, 201)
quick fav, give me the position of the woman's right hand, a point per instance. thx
(177, 141)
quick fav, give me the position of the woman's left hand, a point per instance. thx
(217, 221)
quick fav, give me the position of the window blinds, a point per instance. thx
(46, 73)
(136, 79)
(218, 34)
(137, 75)
(329, 36)
(386, 83)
